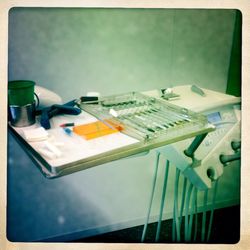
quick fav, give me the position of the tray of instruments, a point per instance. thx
(111, 128)
(147, 119)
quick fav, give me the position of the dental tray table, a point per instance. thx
(135, 123)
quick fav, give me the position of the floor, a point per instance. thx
(226, 230)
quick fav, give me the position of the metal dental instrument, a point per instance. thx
(175, 119)
(155, 115)
(141, 123)
(140, 126)
(159, 118)
(168, 117)
(149, 120)
(141, 131)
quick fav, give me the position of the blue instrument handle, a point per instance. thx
(44, 119)
(65, 109)
(56, 109)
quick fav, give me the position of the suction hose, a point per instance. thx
(212, 210)
(162, 201)
(151, 197)
(176, 225)
(190, 189)
(183, 199)
(204, 214)
(194, 198)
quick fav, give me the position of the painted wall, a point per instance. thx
(73, 51)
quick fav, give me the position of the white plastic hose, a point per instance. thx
(162, 201)
(190, 189)
(212, 210)
(183, 199)
(203, 228)
(176, 225)
(151, 197)
(194, 198)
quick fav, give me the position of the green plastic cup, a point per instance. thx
(21, 92)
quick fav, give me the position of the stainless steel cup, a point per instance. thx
(22, 116)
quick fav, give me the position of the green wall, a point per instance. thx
(72, 51)
(234, 72)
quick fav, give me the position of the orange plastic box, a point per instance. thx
(94, 130)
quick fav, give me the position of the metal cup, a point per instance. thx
(22, 116)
